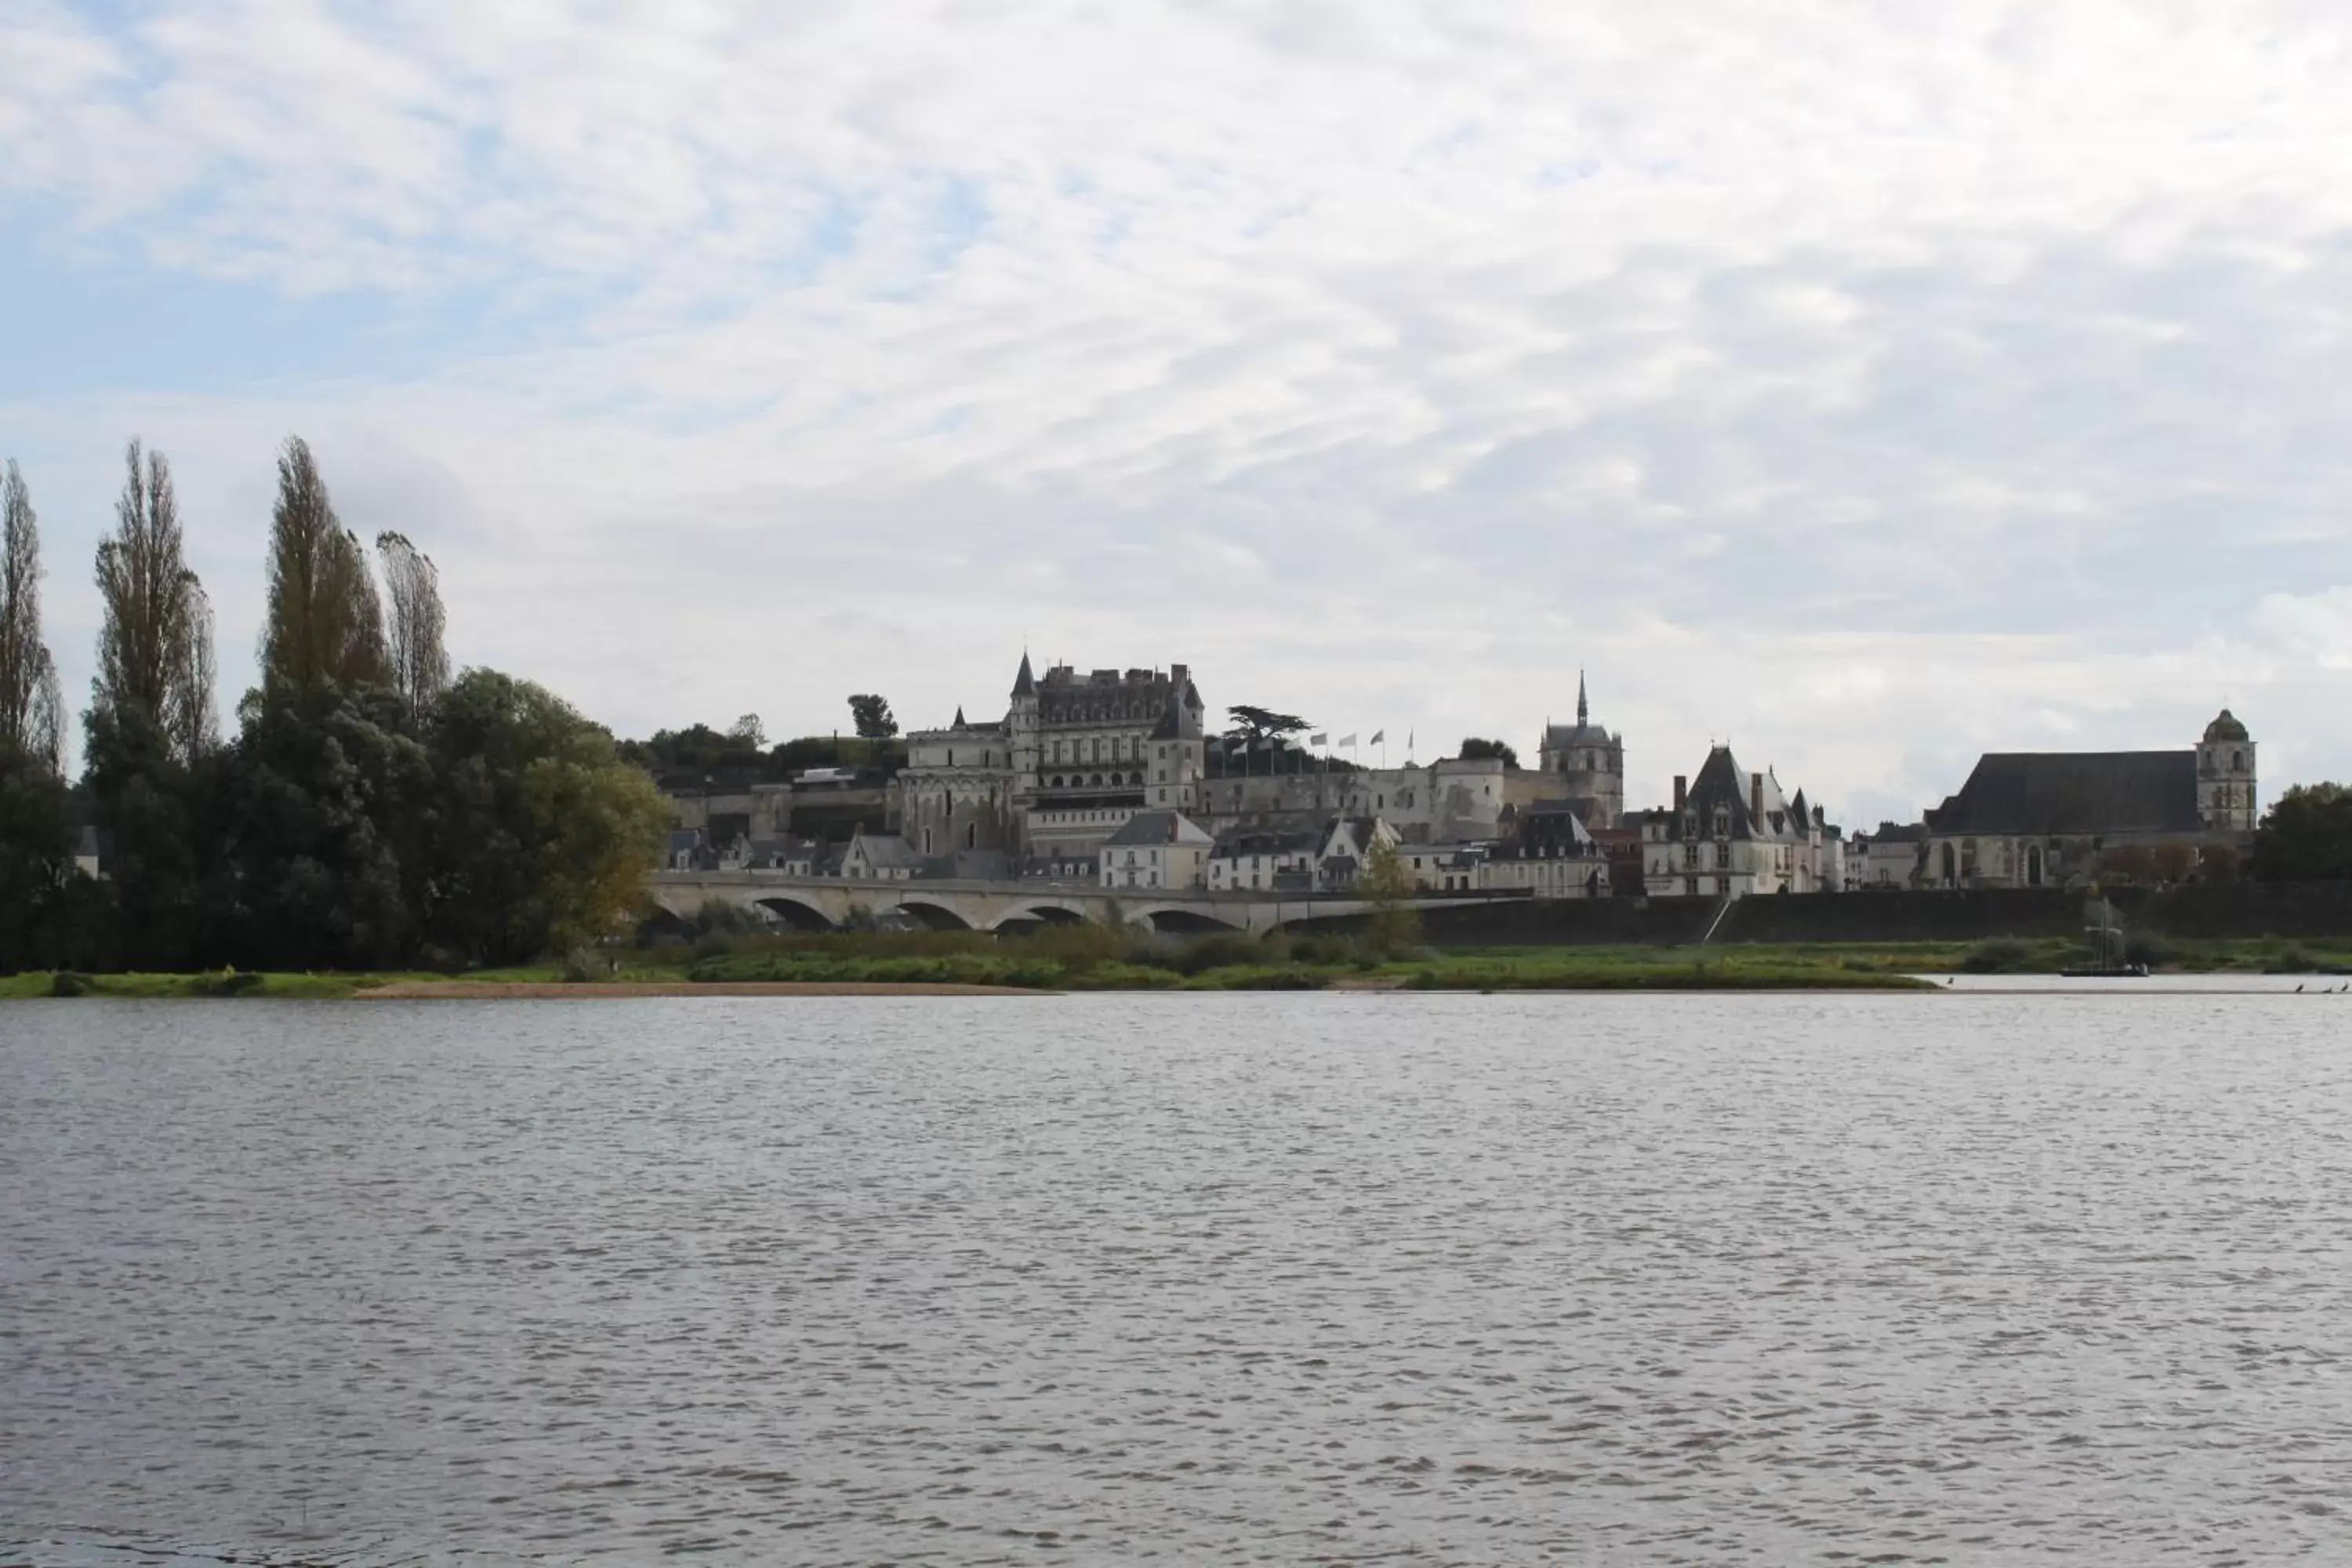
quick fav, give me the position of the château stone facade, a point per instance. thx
(1074, 758)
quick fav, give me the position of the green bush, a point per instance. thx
(227, 982)
(1996, 955)
(1219, 950)
(66, 982)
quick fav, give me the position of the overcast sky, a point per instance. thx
(1870, 384)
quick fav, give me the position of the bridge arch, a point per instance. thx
(1035, 912)
(933, 916)
(800, 914)
(1172, 921)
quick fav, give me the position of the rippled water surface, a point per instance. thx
(1971, 1280)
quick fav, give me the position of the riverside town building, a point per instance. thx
(1112, 777)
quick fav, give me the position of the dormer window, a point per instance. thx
(1722, 822)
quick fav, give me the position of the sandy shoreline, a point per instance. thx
(528, 990)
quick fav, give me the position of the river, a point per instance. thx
(1237, 1278)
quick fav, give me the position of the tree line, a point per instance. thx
(370, 810)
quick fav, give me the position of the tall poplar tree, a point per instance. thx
(326, 624)
(29, 703)
(155, 647)
(414, 625)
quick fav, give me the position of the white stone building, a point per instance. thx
(1885, 859)
(879, 857)
(1734, 835)
(1072, 759)
(1156, 851)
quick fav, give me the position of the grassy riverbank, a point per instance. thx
(1090, 958)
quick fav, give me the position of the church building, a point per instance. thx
(1584, 765)
(2048, 819)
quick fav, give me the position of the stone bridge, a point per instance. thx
(822, 902)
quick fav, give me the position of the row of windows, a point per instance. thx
(1085, 781)
(1099, 749)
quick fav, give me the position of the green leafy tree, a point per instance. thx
(545, 835)
(871, 714)
(1259, 725)
(2306, 836)
(326, 805)
(1386, 883)
(416, 656)
(150, 804)
(326, 625)
(155, 646)
(1474, 750)
(30, 716)
(36, 836)
(748, 732)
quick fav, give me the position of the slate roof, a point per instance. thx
(1172, 725)
(887, 850)
(1159, 827)
(2074, 791)
(1237, 841)
(1025, 683)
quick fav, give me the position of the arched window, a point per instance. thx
(2237, 761)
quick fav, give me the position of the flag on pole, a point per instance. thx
(1318, 739)
(1351, 740)
(1380, 737)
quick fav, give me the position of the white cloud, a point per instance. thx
(1871, 386)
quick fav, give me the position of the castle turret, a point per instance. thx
(1021, 730)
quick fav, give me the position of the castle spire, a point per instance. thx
(1024, 684)
(1583, 714)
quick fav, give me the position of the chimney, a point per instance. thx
(1756, 797)
(1682, 789)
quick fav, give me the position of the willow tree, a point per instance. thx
(415, 652)
(155, 646)
(29, 704)
(326, 625)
